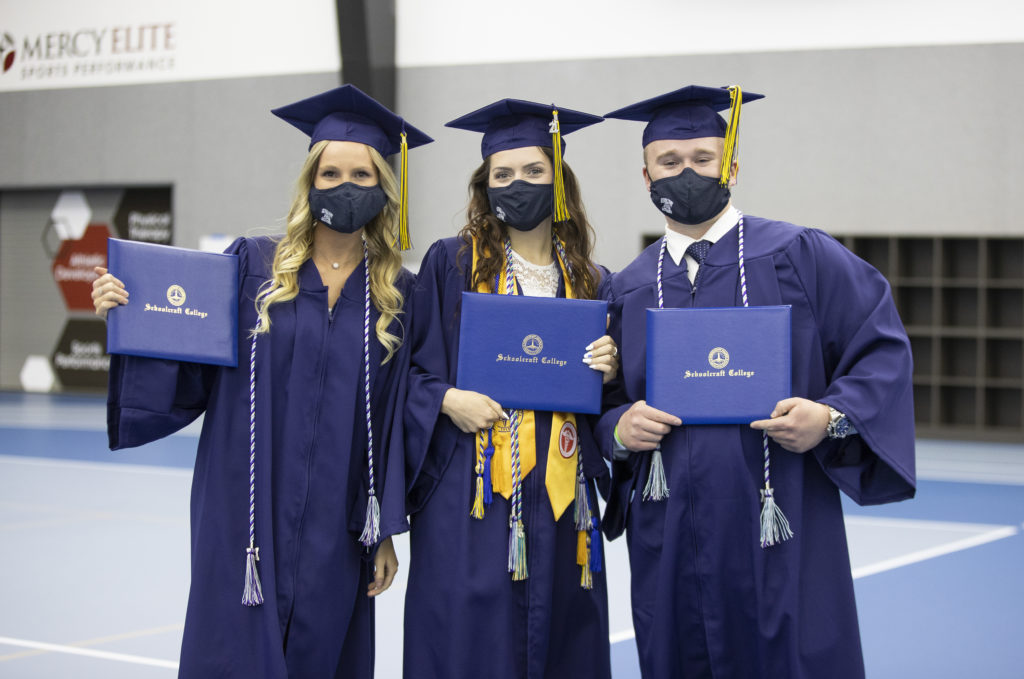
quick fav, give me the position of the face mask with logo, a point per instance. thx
(689, 198)
(347, 207)
(522, 205)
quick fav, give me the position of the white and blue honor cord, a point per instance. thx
(252, 594)
(371, 528)
(775, 527)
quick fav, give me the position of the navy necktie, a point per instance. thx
(699, 251)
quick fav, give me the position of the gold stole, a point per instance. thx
(563, 445)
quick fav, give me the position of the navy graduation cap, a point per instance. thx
(515, 123)
(346, 113)
(692, 112)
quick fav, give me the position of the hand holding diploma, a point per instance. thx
(470, 411)
(796, 424)
(642, 427)
(603, 355)
(107, 292)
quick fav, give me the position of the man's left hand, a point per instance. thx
(796, 424)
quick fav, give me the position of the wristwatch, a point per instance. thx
(839, 426)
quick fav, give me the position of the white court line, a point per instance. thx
(989, 533)
(997, 533)
(105, 655)
(96, 466)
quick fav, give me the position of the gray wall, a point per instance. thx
(902, 140)
(899, 140)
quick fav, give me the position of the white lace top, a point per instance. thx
(536, 280)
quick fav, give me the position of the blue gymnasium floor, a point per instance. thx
(94, 567)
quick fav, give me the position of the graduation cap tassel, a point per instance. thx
(404, 242)
(252, 591)
(729, 152)
(774, 524)
(656, 489)
(371, 528)
(561, 210)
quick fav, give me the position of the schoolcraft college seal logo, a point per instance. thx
(718, 358)
(568, 439)
(533, 344)
(176, 295)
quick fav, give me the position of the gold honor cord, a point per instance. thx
(561, 210)
(404, 241)
(729, 152)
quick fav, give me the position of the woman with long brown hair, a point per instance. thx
(298, 482)
(505, 577)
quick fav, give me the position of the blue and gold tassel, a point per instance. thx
(484, 494)
(404, 242)
(561, 209)
(729, 152)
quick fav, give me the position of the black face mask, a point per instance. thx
(522, 205)
(689, 198)
(347, 207)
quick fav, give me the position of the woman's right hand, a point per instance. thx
(107, 292)
(471, 411)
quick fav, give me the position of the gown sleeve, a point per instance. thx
(869, 371)
(615, 402)
(149, 398)
(430, 438)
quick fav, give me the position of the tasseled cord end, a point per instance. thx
(517, 550)
(583, 548)
(581, 507)
(561, 209)
(484, 495)
(252, 595)
(774, 524)
(371, 529)
(404, 241)
(656, 489)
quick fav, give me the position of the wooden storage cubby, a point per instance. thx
(962, 303)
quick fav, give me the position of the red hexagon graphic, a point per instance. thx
(72, 267)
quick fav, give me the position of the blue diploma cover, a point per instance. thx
(182, 304)
(527, 352)
(718, 365)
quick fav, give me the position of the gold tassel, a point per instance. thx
(403, 209)
(477, 512)
(561, 210)
(586, 577)
(729, 152)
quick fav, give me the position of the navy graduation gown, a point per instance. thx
(707, 599)
(464, 615)
(311, 477)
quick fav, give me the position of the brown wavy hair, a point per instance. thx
(577, 233)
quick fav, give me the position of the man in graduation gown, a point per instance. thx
(716, 590)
